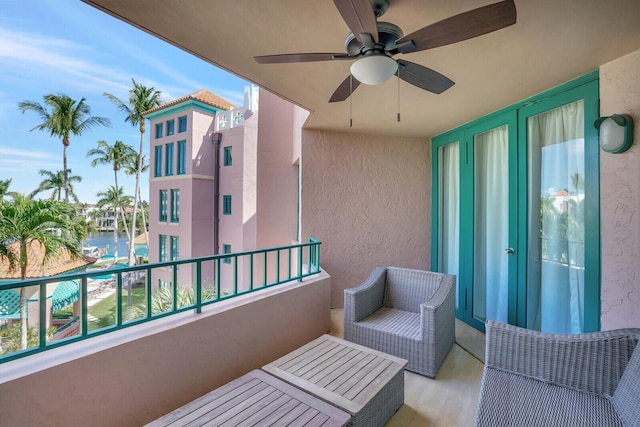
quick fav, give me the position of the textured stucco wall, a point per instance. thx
(367, 198)
(620, 199)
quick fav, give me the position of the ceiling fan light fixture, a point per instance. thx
(374, 69)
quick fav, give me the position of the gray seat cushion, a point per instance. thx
(515, 400)
(392, 320)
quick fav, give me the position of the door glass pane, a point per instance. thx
(555, 219)
(491, 225)
(449, 191)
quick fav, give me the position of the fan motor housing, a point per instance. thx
(388, 33)
(379, 7)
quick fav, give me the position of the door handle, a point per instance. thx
(509, 251)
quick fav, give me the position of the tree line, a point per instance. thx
(25, 220)
(63, 117)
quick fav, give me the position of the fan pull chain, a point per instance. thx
(398, 93)
(350, 100)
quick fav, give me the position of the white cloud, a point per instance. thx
(234, 97)
(26, 57)
(44, 56)
(27, 154)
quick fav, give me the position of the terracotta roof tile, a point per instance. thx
(201, 95)
(61, 263)
(140, 240)
(562, 193)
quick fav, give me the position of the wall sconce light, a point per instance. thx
(616, 133)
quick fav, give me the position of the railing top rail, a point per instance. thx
(119, 270)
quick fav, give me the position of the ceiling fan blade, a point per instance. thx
(423, 77)
(298, 57)
(345, 89)
(466, 25)
(359, 16)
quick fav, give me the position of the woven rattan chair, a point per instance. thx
(406, 313)
(538, 379)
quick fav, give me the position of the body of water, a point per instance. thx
(105, 240)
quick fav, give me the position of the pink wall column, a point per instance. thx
(620, 199)
(277, 195)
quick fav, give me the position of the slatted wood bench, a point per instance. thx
(255, 399)
(366, 383)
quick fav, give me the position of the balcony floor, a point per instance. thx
(449, 400)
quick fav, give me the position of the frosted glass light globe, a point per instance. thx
(374, 69)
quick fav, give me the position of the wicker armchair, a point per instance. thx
(538, 379)
(406, 313)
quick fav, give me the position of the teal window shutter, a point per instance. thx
(157, 166)
(169, 160)
(227, 156)
(226, 205)
(227, 250)
(182, 124)
(163, 205)
(175, 248)
(163, 247)
(175, 206)
(182, 157)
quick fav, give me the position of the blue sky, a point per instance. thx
(65, 46)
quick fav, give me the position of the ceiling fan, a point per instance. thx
(373, 44)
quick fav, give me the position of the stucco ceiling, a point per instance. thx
(552, 42)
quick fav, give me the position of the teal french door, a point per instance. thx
(477, 212)
(516, 213)
(559, 230)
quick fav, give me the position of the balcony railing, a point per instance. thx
(146, 292)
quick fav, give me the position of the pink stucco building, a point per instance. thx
(223, 179)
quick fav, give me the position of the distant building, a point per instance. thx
(104, 218)
(561, 201)
(223, 179)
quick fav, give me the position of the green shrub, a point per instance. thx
(162, 301)
(10, 338)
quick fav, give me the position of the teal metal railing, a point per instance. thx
(128, 296)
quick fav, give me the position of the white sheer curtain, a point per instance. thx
(449, 209)
(491, 225)
(555, 217)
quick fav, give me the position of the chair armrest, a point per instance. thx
(592, 362)
(361, 301)
(438, 313)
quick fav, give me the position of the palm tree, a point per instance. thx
(131, 168)
(125, 205)
(87, 227)
(4, 187)
(24, 221)
(62, 117)
(116, 155)
(109, 200)
(577, 181)
(55, 181)
(141, 99)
